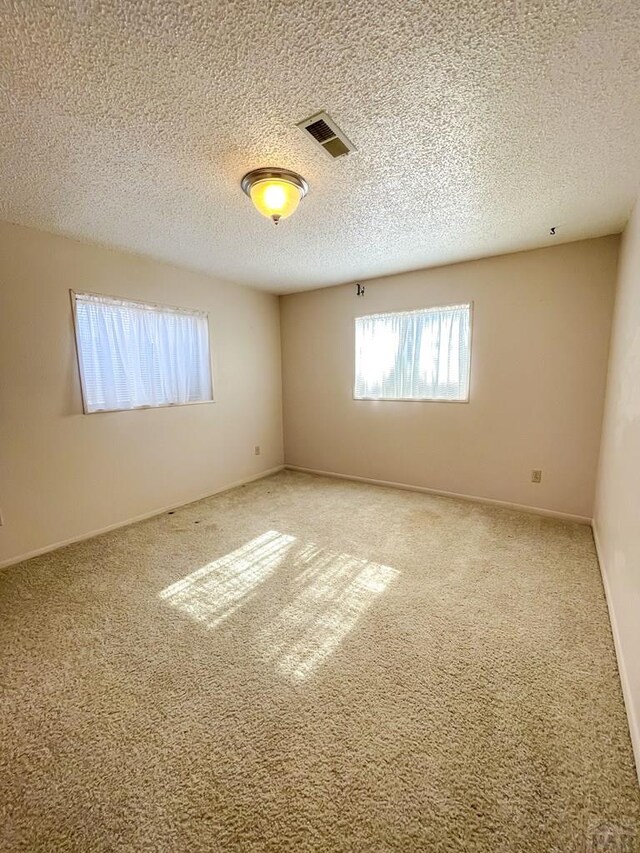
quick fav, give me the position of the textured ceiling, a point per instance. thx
(479, 125)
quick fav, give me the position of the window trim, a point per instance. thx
(73, 294)
(465, 401)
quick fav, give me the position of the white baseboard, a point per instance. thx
(550, 513)
(633, 713)
(55, 545)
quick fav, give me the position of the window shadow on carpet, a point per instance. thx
(327, 593)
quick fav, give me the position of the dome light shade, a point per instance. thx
(275, 193)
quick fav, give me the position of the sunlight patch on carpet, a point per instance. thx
(326, 595)
(215, 591)
(336, 590)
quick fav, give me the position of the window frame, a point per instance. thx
(73, 294)
(466, 400)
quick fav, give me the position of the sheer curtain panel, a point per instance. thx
(135, 355)
(414, 355)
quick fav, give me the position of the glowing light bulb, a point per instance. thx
(275, 197)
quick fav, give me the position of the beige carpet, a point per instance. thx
(307, 664)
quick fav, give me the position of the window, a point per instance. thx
(414, 355)
(133, 355)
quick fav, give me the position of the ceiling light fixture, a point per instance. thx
(276, 193)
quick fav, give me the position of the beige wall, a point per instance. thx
(539, 358)
(64, 474)
(617, 512)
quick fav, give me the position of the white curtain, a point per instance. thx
(414, 355)
(134, 354)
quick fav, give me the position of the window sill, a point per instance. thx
(407, 400)
(146, 408)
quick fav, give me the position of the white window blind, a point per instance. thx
(135, 355)
(414, 355)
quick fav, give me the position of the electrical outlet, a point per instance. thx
(536, 475)
(256, 450)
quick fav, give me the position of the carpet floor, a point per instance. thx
(309, 664)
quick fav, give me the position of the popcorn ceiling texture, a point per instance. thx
(479, 125)
(306, 664)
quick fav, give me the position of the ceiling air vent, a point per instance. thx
(323, 130)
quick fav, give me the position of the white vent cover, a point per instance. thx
(323, 130)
